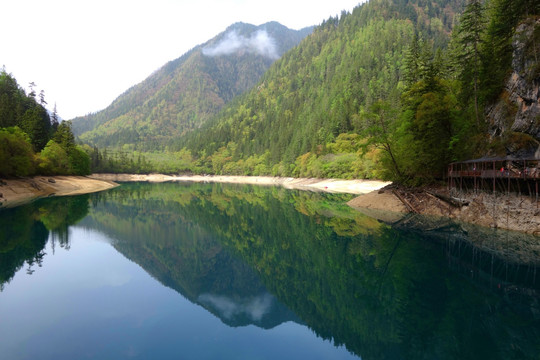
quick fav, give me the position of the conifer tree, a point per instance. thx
(32, 93)
(54, 119)
(471, 31)
(42, 98)
(64, 136)
(411, 62)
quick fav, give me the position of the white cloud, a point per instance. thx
(259, 42)
(86, 53)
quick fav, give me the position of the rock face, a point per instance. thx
(518, 108)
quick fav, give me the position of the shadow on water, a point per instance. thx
(265, 255)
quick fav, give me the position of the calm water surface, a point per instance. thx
(201, 271)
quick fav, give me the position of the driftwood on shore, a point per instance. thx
(405, 202)
(456, 202)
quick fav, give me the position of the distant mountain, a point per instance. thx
(397, 89)
(318, 90)
(185, 92)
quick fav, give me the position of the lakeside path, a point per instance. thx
(327, 185)
(15, 192)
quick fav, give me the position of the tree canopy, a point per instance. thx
(30, 143)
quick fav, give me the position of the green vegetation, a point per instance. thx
(184, 93)
(332, 88)
(396, 90)
(395, 79)
(30, 142)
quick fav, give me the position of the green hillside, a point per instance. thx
(312, 100)
(397, 90)
(186, 92)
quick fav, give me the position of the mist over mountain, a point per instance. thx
(259, 43)
(186, 92)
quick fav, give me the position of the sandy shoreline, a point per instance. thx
(15, 192)
(327, 185)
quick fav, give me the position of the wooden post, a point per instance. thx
(449, 176)
(452, 177)
(474, 174)
(461, 177)
(482, 174)
(508, 185)
(494, 176)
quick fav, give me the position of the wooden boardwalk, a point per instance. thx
(504, 175)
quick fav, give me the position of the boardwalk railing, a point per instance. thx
(530, 174)
(496, 174)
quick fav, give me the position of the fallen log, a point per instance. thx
(456, 202)
(405, 202)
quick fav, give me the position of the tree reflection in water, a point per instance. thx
(265, 255)
(380, 291)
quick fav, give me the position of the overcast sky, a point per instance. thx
(84, 53)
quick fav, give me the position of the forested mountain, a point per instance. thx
(397, 89)
(320, 89)
(186, 92)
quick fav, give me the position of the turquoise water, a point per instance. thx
(175, 271)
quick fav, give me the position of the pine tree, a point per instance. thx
(32, 93)
(411, 62)
(64, 136)
(36, 123)
(42, 98)
(471, 31)
(54, 119)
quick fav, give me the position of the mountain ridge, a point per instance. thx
(186, 91)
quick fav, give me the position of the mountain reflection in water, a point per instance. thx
(265, 256)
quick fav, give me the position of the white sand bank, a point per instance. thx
(328, 185)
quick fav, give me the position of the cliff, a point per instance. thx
(515, 117)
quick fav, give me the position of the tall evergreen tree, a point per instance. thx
(64, 136)
(42, 98)
(471, 32)
(54, 119)
(32, 93)
(36, 123)
(411, 62)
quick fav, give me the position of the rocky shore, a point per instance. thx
(510, 212)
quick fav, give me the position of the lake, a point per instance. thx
(214, 271)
